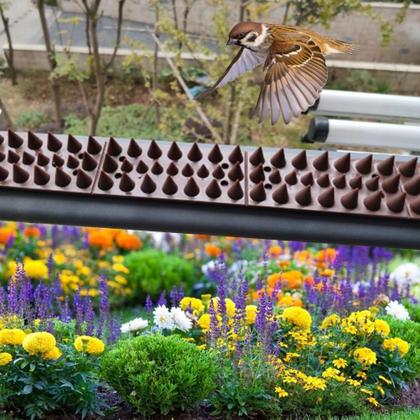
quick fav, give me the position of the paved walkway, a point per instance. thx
(26, 29)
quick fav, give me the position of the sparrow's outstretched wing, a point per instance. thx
(244, 61)
(295, 75)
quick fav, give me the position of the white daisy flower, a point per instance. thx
(134, 325)
(397, 310)
(163, 318)
(180, 319)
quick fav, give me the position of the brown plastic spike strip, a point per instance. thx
(323, 182)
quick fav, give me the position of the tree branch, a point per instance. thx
(184, 86)
(119, 28)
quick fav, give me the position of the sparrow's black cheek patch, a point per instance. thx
(370, 185)
(251, 38)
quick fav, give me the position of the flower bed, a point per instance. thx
(222, 327)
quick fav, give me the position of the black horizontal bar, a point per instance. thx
(213, 219)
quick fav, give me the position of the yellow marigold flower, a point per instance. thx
(366, 391)
(332, 373)
(339, 363)
(330, 321)
(120, 279)
(290, 356)
(230, 306)
(353, 382)
(361, 374)
(373, 401)
(298, 317)
(39, 342)
(5, 358)
(314, 383)
(36, 269)
(190, 302)
(120, 268)
(12, 336)
(380, 389)
(386, 380)
(393, 344)
(281, 392)
(53, 354)
(118, 259)
(59, 258)
(251, 314)
(382, 327)
(87, 344)
(365, 356)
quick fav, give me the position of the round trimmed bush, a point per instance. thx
(159, 375)
(152, 271)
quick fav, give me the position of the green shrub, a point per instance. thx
(157, 374)
(30, 120)
(410, 332)
(246, 390)
(153, 271)
(360, 81)
(134, 120)
(413, 310)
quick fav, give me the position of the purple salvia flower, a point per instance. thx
(173, 296)
(104, 307)
(2, 301)
(148, 305)
(78, 308)
(65, 315)
(214, 330)
(89, 316)
(114, 329)
(162, 299)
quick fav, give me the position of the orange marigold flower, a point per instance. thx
(6, 234)
(273, 280)
(292, 279)
(283, 264)
(100, 238)
(274, 250)
(327, 255)
(288, 300)
(32, 232)
(128, 241)
(202, 237)
(212, 250)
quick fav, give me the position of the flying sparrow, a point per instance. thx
(294, 65)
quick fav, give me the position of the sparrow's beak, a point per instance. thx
(232, 41)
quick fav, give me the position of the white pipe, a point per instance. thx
(364, 134)
(337, 103)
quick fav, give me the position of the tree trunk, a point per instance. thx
(119, 28)
(10, 53)
(5, 115)
(156, 62)
(99, 74)
(55, 86)
(233, 113)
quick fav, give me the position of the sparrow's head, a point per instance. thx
(247, 35)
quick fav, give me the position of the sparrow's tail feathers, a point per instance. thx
(336, 46)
